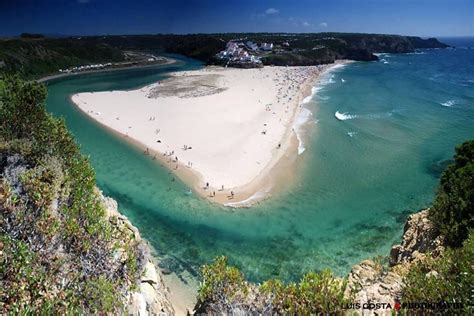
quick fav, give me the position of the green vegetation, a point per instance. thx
(317, 292)
(225, 288)
(453, 208)
(449, 278)
(303, 49)
(59, 251)
(219, 279)
(446, 279)
(33, 56)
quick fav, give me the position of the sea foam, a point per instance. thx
(448, 103)
(302, 118)
(344, 116)
(305, 114)
(258, 196)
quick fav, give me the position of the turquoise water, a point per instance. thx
(357, 180)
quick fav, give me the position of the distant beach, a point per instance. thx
(114, 67)
(224, 131)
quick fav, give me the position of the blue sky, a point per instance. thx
(94, 17)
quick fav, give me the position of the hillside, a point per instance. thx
(64, 248)
(33, 57)
(315, 48)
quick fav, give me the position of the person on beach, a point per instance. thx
(232, 194)
(207, 185)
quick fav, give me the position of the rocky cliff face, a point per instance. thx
(371, 282)
(150, 298)
(390, 43)
(419, 238)
(60, 258)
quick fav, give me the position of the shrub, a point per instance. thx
(316, 292)
(220, 280)
(445, 279)
(224, 287)
(453, 208)
(59, 256)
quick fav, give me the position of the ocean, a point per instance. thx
(373, 147)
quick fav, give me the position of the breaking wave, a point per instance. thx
(258, 196)
(302, 118)
(386, 55)
(416, 53)
(448, 103)
(305, 114)
(346, 116)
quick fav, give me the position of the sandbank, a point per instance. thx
(228, 133)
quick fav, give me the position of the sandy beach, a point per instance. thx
(226, 132)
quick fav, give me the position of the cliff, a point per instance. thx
(37, 57)
(150, 298)
(141, 292)
(64, 249)
(370, 281)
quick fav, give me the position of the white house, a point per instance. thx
(266, 46)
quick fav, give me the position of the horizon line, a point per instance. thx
(55, 35)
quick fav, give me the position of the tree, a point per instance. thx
(453, 208)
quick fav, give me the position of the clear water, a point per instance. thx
(352, 193)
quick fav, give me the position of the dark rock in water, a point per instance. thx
(437, 167)
(170, 264)
(166, 271)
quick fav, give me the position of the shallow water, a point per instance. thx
(357, 180)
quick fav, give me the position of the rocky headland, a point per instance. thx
(370, 281)
(150, 298)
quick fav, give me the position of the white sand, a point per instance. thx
(233, 119)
